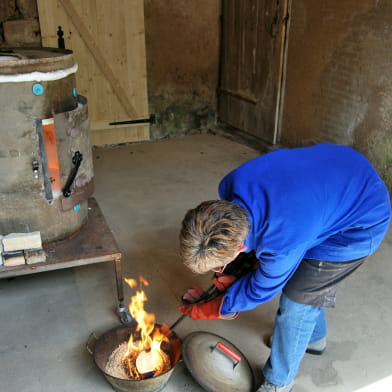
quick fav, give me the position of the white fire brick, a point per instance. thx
(21, 241)
(35, 256)
(15, 260)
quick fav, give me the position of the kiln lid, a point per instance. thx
(216, 364)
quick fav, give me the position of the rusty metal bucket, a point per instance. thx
(109, 341)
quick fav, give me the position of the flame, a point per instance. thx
(147, 337)
(143, 281)
(131, 282)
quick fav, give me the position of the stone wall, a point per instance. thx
(339, 84)
(182, 47)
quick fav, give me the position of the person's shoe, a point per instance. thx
(266, 386)
(318, 347)
(315, 348)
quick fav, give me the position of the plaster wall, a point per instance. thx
(339, 84)
(182, 46)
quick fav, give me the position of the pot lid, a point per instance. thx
(216, 364)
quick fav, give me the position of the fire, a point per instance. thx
(131, 282)
(144, 354)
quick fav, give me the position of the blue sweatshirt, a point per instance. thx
(324, 202)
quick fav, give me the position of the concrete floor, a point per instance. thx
(144, 191)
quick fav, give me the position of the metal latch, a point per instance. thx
(35, 166)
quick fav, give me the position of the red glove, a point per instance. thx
(222, 281)
(209, 310)
(235, 270)
(192, 294)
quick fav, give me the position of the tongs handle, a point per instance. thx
(177, 321)
(210, 293)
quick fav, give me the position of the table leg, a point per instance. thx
(124, 315)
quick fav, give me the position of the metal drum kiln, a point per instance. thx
(46, 171)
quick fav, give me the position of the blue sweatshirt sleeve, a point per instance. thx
(262, 284)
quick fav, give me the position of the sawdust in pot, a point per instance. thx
(116, 365)
(123, 364)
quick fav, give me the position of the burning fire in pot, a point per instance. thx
(142, 356)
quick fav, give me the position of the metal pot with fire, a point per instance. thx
(142, 356)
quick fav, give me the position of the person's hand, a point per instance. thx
(207, 310)
(222, 281)
(192, 295)
(235, 270)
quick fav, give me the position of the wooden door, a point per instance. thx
(252, 65)
(108, 41)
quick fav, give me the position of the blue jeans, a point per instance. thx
(296, 325)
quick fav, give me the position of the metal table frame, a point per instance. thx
(93, 243)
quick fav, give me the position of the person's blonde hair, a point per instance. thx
(211, 234)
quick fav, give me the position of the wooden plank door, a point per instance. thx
(108, 41)
(252, 65)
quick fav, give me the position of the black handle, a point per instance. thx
(76, 160)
